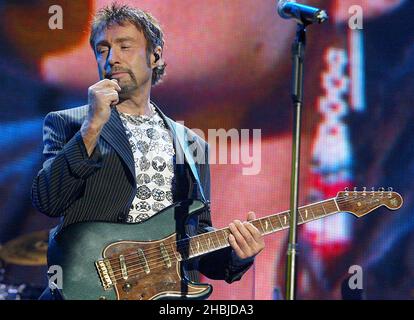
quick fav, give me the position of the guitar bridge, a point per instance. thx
(105, 272)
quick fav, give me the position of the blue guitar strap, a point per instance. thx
(181, 136)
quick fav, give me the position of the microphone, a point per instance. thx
(301, 13)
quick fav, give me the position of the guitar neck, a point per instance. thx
(218, 239)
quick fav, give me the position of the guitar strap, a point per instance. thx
(180, 135)
(182, 138)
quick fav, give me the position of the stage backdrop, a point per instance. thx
(229, 68)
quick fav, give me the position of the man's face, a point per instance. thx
(121, 54)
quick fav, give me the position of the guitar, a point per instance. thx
(101, 260)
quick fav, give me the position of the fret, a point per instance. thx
(201, 243)
(336, 203)
(319, 214)
(218, 239)
(306, 214)
(216, 232)
(209, 243)
(323, 208)
(226, 233)
(271, 225)
(194, 247)
(256, 223)
(285, 219)
(276, 220)
(280, 221)
(205, 242)
(185, 250)
(261, 225)
(268, 224)
(191, 251)
(300, 216)
(313, 215)
(332, 206)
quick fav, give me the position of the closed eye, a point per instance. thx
(102, 50)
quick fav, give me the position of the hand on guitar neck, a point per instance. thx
(245, 239)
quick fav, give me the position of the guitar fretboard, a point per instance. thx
(218, 239)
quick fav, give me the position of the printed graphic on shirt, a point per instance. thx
(153, 150)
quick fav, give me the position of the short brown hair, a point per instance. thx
(143, 21)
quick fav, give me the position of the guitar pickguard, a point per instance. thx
(148, 270)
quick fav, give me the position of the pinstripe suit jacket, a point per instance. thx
(77, 188)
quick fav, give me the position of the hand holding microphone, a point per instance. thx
(101, 97)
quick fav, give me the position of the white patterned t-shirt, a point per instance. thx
(153, 151)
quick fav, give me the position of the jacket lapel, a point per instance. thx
(114, 133)
(181, 145)
(179, 140)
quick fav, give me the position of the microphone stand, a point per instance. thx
(298, 55)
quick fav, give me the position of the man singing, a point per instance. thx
(117, 159)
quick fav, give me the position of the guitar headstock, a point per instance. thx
(360, 203)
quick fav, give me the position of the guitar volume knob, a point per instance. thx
(127, 287)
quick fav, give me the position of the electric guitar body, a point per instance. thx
(99, 261)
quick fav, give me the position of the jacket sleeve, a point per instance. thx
(222, 264)
(67, 166)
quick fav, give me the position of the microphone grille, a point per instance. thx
(280, 8)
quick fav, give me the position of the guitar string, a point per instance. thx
(154, 263)
(157, 251)
(185, 241)
(152, 260)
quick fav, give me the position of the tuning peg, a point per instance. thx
(390, 192)
(390, 189)
(373, 191)
(346, 191)
(364, 191)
